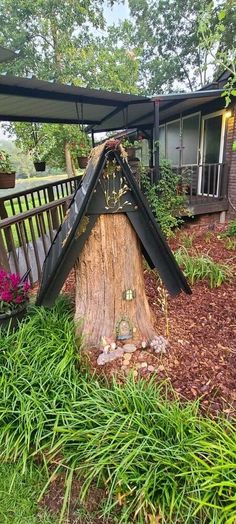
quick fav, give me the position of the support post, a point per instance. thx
(92, 136)
(156, 174)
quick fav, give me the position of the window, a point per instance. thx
(173, 142)
(190, 139)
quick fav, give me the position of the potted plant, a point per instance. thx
(39, 148)
(7, 175)
(83, 150)
(80, 148)
(14, 296)
(131, 148)
(39, 163)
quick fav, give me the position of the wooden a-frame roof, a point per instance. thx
(87, 204)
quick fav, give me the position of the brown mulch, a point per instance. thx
(80, 512)
(200, 362)
(201, 357)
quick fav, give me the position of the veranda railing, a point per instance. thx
(26, 238)
(37, 196)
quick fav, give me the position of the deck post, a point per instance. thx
(156, 174)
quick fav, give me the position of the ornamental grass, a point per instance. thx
(157, 458)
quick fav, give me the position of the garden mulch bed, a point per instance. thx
(201, 357)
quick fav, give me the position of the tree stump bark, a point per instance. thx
(109, 266)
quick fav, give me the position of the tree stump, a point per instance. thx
(108, 273)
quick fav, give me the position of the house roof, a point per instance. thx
(32, 100)
(87, 204)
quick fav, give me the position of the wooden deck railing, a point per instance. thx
(26, 238)
(37, 196)
(205, 182)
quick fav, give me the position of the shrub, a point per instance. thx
(157, 458)
(13, 292)
(165, 201)
(231, 229)
(202, 267)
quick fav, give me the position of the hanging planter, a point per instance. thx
(7, 180)
(39, 165)
(80, 150)
(131, 148)
(7, 175)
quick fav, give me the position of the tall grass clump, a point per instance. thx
(156, 458)
(202, 267)
(231, 229)
(38, 375)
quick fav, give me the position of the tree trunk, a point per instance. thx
(110, 265)
(68, 159)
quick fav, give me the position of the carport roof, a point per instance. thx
(32, 100)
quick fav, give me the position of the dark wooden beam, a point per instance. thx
(156, 173)
(17, 118)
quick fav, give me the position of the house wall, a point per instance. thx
(230, 158)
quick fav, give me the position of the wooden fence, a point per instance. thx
(26, 236)
(37, 196)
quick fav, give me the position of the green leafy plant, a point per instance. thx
(82, 147)
(126, 143)
(230, 244)
(164, 199)
(5, 163)
(208, 236)
(187, 240)
(202, 267)
(231, 229)
(13, 292)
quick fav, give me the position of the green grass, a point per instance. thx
(202, 267)
(19, 494)
(23, 206)
(155, 456)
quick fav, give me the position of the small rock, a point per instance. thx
(106, 348)
(151, 368)
(113, 346)
(143, 365)
(144, 344)
(104, 358)
(125, 362)
(161, 368)
(159, 344)
(129, 348)
(128, 356)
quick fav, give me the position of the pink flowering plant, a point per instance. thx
(13, 292)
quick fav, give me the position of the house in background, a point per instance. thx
(198, 140)
(196, 133)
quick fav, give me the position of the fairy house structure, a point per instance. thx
(107, 228)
